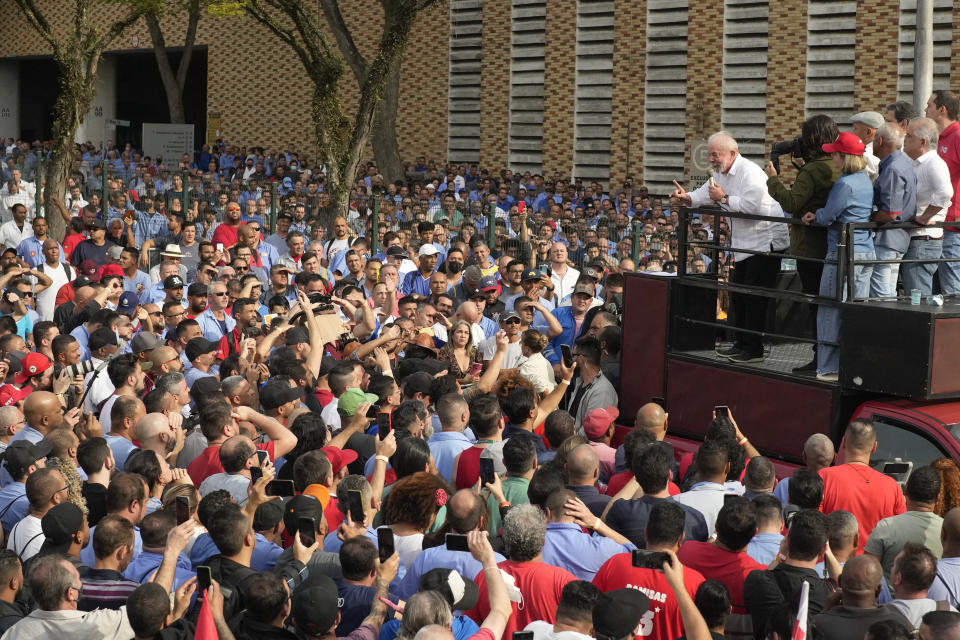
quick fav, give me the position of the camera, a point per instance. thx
(81, 368)
(794, 148)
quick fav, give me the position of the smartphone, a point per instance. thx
(385, 543)
(255, 474)
(383, 425)
(522, 635)
(898, 470)
(643, 559)
(373, 411)
(281, 488)
(268, 319)
(660, 401)
(203, 578)
(308, 531)
(476, 368)
(567, 355)
(457, 542)
(183, 509)
(487, 472)
(355, 503)
(262, 456)
(220, 247)
(721, 411)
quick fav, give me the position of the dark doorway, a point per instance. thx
(141, 98)
(140, 94)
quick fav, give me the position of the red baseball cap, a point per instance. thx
(111, 270)
(10, 395)
(846, 142)
(88, 268)
(32, 364)
(339, 458)
(597, 421)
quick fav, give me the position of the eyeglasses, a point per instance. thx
(26, 294)
(255, 228)
(512, 321)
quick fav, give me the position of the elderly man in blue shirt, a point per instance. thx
(454, 414)
(568, 547)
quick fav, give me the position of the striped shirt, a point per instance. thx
(104, 589)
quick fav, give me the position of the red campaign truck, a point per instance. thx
(900, 368)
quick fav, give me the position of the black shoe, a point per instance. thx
(726, 352)
(743, 357)
(807, 369)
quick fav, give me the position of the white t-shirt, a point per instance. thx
(511, 359)
(332, 247)
(26, 537)
(47, 299)
(543, 630)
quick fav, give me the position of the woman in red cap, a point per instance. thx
(850, 200)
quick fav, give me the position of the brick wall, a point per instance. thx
(786, 68)
(495, 84)
(875, 69)
(558, 96)
(629, 61)
(704, 71)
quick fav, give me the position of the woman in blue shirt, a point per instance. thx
(850, 200)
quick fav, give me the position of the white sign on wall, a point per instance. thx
(170, 141)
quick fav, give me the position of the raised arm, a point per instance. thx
(283, 439)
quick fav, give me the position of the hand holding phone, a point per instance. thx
(383, 425)
(567, 355)
(457, 542)
(307, 528)
(385, 543)
(487, 471)
(280, 488)
(643, 559)
(355, 507)
(203, 578)
(183, 509)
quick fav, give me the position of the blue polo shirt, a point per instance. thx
(568, 547)
(264, 557)
(564, 316)
(146, 563)
(445, 445)
(438, 557)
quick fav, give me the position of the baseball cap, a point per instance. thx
(102, 337)
(352, 398)
(197, 289)
(326, 365)
(97, 224)
(846, 143)
(81, 281)
(428, 250)
(59, 525)
(488, 283)
(339, 458)
(473, 293)
(418, 382)
(109, 270)
(302, 506)
(114, 252)
(268, 515)
(199, 346)
(314, 610)
(617, 613)
(144, 341)
(87, 268)
(32, 364)
(396, 251)
(597, 421)
(128, 302)
(12, 394)
(23, 453)
(276, 393)
(297, 335)
(530, 274)
(509, 315)
(173, 282)
(872, 119)
(583, 288)
(590, 272)
(460, 593)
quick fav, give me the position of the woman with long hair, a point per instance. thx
(850, 200)
(460, 352)
(536, 368)
(410, 510)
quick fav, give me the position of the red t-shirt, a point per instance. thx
(948, 148)
(70, 243)
(539, 583)
(332, 514)
(715, 563)
(662, 621)
(225, 234)
(324, 396)
(864, 492)
(208, 462)
(620, 480)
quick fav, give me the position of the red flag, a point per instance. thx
(800, 625)
(206, 627)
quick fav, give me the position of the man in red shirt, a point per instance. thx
(856, 487)
(226, 231)
(538, 586)
(664, 532)
(725, 559)
(943, 107)
(218, 421)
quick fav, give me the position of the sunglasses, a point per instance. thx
(512, 321)
(221, 294)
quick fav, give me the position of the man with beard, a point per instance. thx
(226, 233)
(11, 584)
(127, 378)
(196, 299)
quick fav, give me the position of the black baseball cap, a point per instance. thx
(531, 274)
(276, 393)
(314, 610)
(617, 613)
(59, 525)
(173, 282)
(199, 346)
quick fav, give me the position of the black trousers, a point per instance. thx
(750, 311)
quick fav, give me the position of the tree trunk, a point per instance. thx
(171, 87)
(383, 136)
(332, 135)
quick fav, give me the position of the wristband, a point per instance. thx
(385, 459)
(742, 441)
(506, 503)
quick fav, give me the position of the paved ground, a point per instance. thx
(781, 358)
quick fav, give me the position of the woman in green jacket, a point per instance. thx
(808, 193)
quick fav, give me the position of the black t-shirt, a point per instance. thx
(96, 497)
(86, 250)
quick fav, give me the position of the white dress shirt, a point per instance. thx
(745, 184)
(11, 236)
(873, 163)
(933, 188)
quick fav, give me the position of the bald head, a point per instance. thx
(43, 411)
(583, 464)
(434, 632)
(861, 576)
(860, 438)
(652, 418)
(818, 451)
(162, 355)
(149, 428)
(465, 511)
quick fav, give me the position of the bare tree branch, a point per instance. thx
(188, 40)
(341, 33)
(116, 29)
(39, 22)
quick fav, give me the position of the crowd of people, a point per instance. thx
(225, 412)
